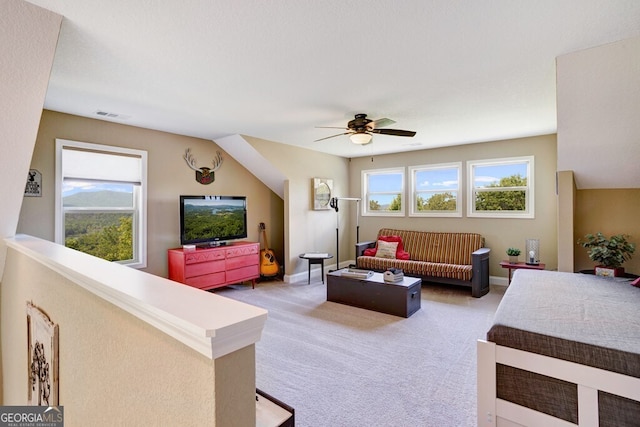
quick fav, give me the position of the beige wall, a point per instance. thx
(598, 102)
(27, 56)
(116, 369)
(566, 209)
(168, 178)
(610, 212)
(598, 99)
(306, 229)
(499, 234)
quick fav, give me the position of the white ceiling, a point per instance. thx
(456, 72)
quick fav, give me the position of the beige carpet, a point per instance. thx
(344, 366)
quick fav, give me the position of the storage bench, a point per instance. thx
(399, 299)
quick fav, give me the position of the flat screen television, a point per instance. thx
(212, 220)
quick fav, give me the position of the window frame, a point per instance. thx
(529, 189)
(413, 170)
(139, 208)
(365, 191)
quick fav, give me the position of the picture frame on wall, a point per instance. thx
(322, 190)
(42, 358)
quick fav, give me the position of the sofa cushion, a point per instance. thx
(439, 247)
(386, 249)
(420, 268)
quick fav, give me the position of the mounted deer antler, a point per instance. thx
(204, 175)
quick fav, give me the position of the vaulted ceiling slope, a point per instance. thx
(455, 72)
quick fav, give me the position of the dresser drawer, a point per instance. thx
(242, 261)
(200, 269)
(203, 256)
(207, 280)
(237, 251)
(241, 274)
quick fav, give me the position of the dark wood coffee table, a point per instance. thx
(400, 299)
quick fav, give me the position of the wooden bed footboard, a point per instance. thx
(493, 411)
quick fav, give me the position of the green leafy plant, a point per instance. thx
(609, 252)
(513, 252)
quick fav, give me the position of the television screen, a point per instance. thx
(206, 220)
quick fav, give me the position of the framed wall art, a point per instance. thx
(34, 184)
(42, 363)
(322, 190)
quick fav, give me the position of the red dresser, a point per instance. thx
(208, 268)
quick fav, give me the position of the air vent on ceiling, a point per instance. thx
(110, 115)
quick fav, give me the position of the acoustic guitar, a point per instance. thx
(268, 264)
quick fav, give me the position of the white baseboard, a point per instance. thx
(302, 276)
(498, 281)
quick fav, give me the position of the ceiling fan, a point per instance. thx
(360, 129)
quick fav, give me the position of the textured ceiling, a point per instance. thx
(456, 72)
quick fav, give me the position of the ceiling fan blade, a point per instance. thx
(381, 123)
(394, 132)
(332, 127)
(332, 136)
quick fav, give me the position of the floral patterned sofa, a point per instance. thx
(441, 257)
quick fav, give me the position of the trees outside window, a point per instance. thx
(435, 190)
(501, 188)
(100, 201)
(382, 191)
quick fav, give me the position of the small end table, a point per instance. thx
(517, 265)
(316, 258)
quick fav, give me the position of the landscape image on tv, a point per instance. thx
(211, 219)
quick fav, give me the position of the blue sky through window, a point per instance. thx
(486, 175)
(437, 179)
(70, 188)
(379, 183)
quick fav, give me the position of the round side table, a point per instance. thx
(316, 258)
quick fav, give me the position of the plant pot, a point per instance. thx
(513, 259)
(604, 271)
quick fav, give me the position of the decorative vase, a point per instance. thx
(605, 271)
(513, 259)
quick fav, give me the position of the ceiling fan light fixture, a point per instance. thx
(361, 138)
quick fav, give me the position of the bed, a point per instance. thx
(564, 350)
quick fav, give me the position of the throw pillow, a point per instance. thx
(369, 252)
(400, 252)
(386, 249)
(393, 238)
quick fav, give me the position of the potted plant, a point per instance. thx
(609, 253)
(513, 254)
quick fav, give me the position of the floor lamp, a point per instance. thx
(334, 204)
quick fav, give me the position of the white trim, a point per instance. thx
(365, 191)
(529, 213)
(588, 379)
(412, 191)
(140, 203)
(210, 324)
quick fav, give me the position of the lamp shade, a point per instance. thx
(532, 251)
(360, 138)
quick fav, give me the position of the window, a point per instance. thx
(435, 190)
(382, 192)
(101, 201)
(501, 188)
